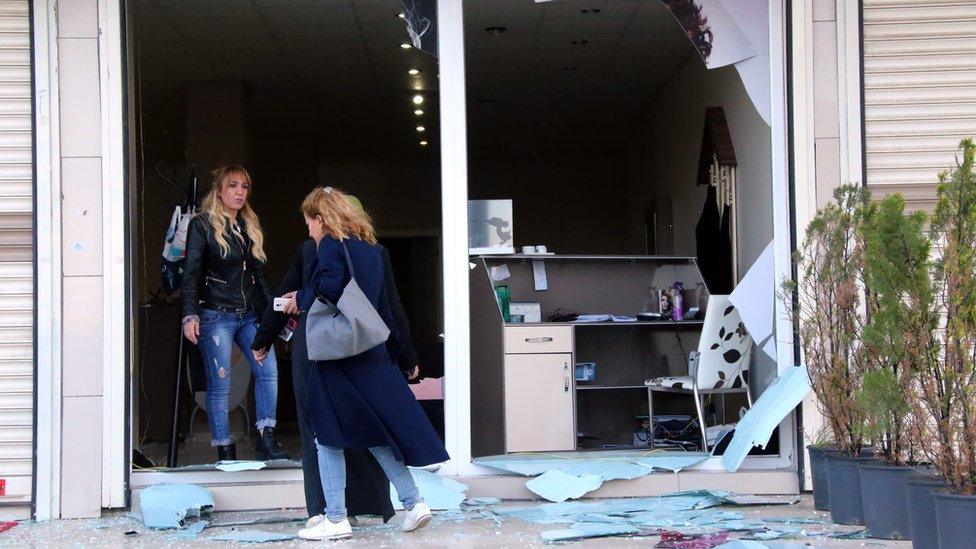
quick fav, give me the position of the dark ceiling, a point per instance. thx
(556, 81)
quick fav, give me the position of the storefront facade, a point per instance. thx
(83, 334)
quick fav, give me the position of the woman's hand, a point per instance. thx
(260, 355)
(191, 330)
(291, 308)
(413, 373)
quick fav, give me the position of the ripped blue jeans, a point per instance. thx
(219, 331)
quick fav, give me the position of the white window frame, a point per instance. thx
(47, 200)
(114, 289)
(457, 404)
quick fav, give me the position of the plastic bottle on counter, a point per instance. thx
(678, 301)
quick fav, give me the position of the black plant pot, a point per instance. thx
(919, 493)
(883, 499)
(844, 481)
(956, 520)
(818, 474)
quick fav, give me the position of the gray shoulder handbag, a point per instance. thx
(347, 328)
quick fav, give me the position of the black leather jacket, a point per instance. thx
(236, 281)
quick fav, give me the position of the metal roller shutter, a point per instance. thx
(919, 92)
(16, 258)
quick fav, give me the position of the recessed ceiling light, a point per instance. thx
(421, 129)
(419, 112)
(401, 15)
(413, 72)
(405, 46)
(423, 143)
(590, 11)
(418, 99)
(582, 42)
(495, 31)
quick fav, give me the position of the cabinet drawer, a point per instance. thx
(538, 339)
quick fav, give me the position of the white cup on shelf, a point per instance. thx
(528, 250)
(541, 249)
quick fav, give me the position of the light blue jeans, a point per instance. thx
(218, 332)
(332, 470)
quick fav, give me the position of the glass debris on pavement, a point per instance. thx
(557, 486)
(440, 493)
(166, 506)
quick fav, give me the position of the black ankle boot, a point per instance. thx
(267, 447)
(227, 452)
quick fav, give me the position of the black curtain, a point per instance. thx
(714, 245)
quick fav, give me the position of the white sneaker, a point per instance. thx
(314, 520)
(416, 518)
(353, 521)
(326, 529)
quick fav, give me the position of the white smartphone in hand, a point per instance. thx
(279, 304)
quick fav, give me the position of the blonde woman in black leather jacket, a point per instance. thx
(224, 291)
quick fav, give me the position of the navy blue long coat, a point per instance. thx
(363, 401)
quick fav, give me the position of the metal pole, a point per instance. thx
(174, 427)
(191, 200)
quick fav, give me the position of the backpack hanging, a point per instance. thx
(174, 249)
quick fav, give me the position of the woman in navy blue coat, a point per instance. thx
(361, 401)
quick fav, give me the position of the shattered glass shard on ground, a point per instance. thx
(757, 425)
(558, 486)
(587, 530)
(167, 505)
(252, 536)
(609, 465)
(440, 493)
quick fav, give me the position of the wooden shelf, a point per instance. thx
(658, 323)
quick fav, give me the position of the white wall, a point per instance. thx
(663, 158)
(81, 169)
(571, 204)
(663, 161)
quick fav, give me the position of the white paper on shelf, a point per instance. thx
(500, 272)
(539, 275)
(594, 318)
(605, 318)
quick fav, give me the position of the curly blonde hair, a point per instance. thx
(341, 217)
(219, 217)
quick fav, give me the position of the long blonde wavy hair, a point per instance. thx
(342, 217)
(219, 217)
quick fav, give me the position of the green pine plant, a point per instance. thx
(945, 371)
(898, 305)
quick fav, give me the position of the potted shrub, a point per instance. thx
(898, 305)
(826, 305)
(818, 449)
(945, 410)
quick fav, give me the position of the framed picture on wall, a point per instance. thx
(490, 227)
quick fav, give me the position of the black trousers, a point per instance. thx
(367, 488)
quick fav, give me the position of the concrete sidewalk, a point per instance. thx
(467, 529)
